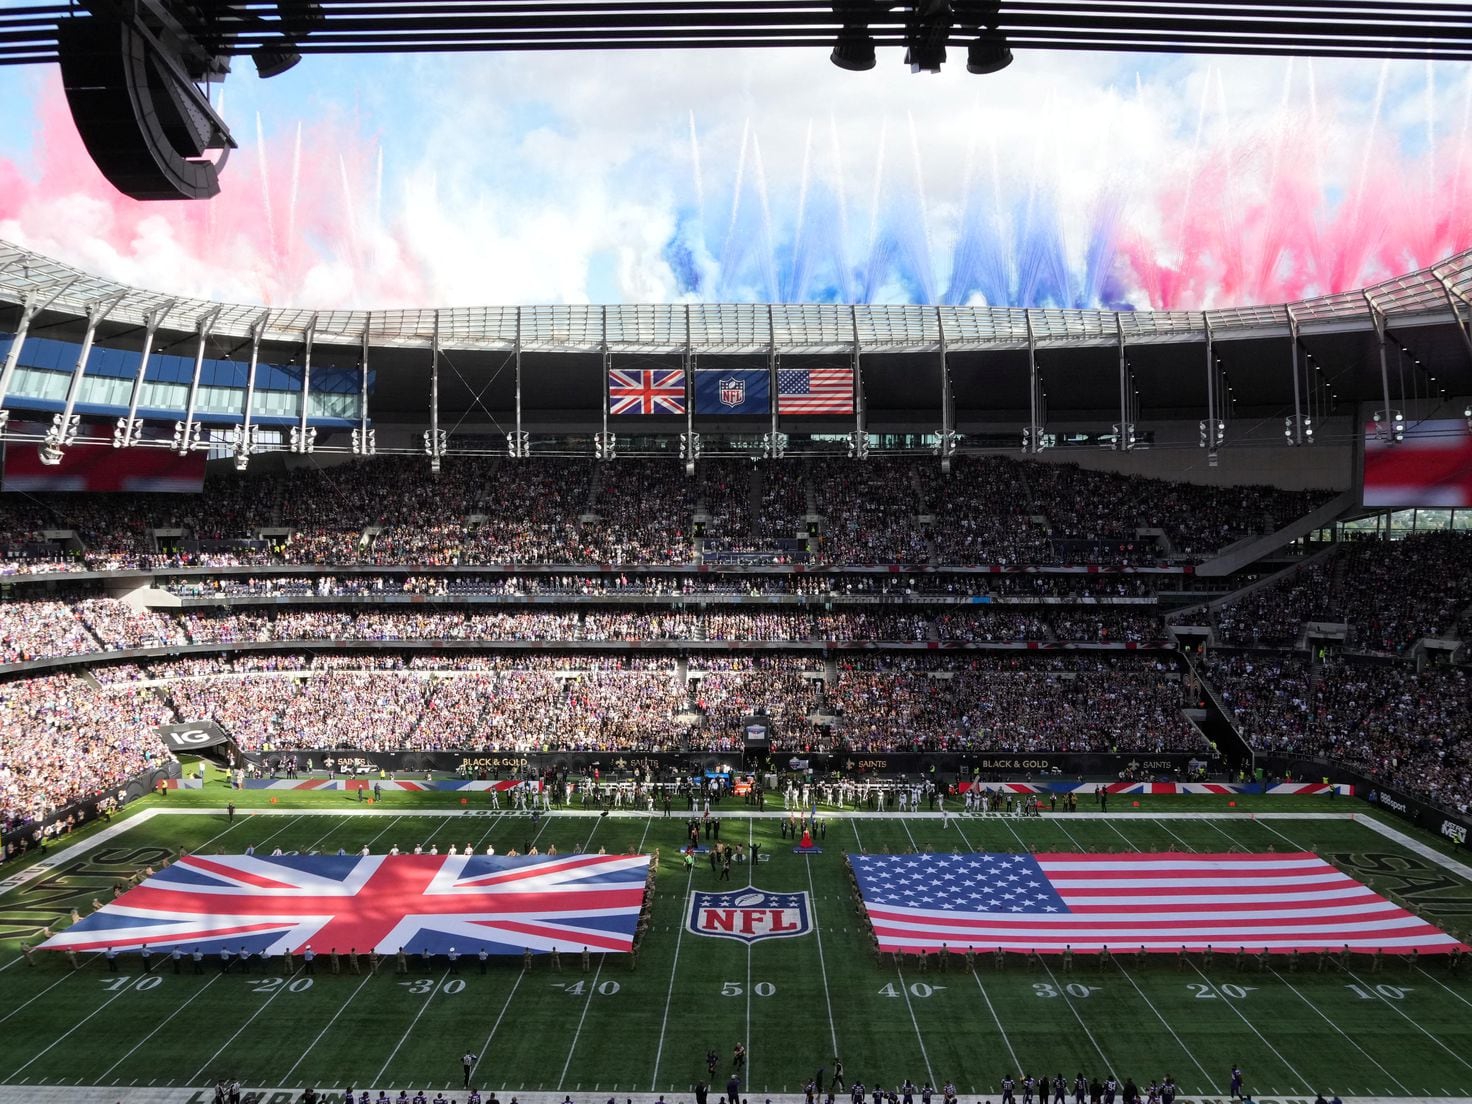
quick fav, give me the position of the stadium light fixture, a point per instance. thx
(854, 49)
(989, 53)
(926, 34)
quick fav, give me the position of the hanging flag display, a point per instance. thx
(815, 391)
(646, 391)
(732, 391)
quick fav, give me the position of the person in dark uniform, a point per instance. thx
(230, 812)
(110, 955)
(733, 1090)
(1236, 1089)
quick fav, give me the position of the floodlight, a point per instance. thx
(272, 61)
(989, 53)
(854, 49)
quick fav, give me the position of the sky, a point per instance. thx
(1068, 180)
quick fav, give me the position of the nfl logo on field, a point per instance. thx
(732, 390)
(750, 914)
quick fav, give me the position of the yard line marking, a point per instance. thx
(485, 1049)
(384, 829)
(905, 825)
(919, 1038)
(264, 1005)
(985, 997)
(159, 1026)
(263, 842)
(43, 992)
(438, 985)
(822, 964)
(750, 827)
(853, 822)
(1115, 828)
(1449, 989)
(1321, 1014)
(669, 993)
(1068, 1000)
(587, 842)
(495, 820)
(71, 1029)
(341, 1008)
(1163, 1021)
(1071, 837)
(1175, 837)
(1391, 1005)
(578, 1034)
(1251, 1026)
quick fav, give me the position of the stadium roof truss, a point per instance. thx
(1439, 295)
(935, 371)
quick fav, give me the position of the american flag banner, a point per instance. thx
(815, 391)
(1125, 902)
(646, 391)
(430, 903)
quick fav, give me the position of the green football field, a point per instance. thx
(622, 1027)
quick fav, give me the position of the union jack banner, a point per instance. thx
(420, 903)
(646, 391)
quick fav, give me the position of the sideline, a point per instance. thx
(70, 1094)
(69, 852)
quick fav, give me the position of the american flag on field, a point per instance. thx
(815, 391)
(1161, 902)
(427, 903)
(646, 391)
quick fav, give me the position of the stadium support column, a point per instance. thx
(129, 431)
(30, 306)
(1124, 433)
(244, 438)
(1456, 302)
(1395, 418)
(1212, 427)
(776, 442)
(187, 433)
(949, 438)
(363, 437)
(303, 438)
(859, 450)
(1294, 432)
(434, 438)
(64, 426)
(516, 444)
(605, 443)
(1032, 436)
(689, 440)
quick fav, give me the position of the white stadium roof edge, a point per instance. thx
(1436, 295)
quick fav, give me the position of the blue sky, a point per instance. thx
(1068, 180)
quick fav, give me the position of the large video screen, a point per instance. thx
(1432, 466)
(102, 468)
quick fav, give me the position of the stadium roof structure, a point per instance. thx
(920, 368)
(1301, 28)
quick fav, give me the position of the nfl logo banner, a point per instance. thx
(750, 915)
(733, 391)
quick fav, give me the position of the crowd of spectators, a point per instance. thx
(1389, 593)
(1404, 727)
(390, 510)
(52, 628)
(62, 739)
(1130, 702)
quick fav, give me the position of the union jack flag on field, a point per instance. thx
(380, 903)
(646, 391)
